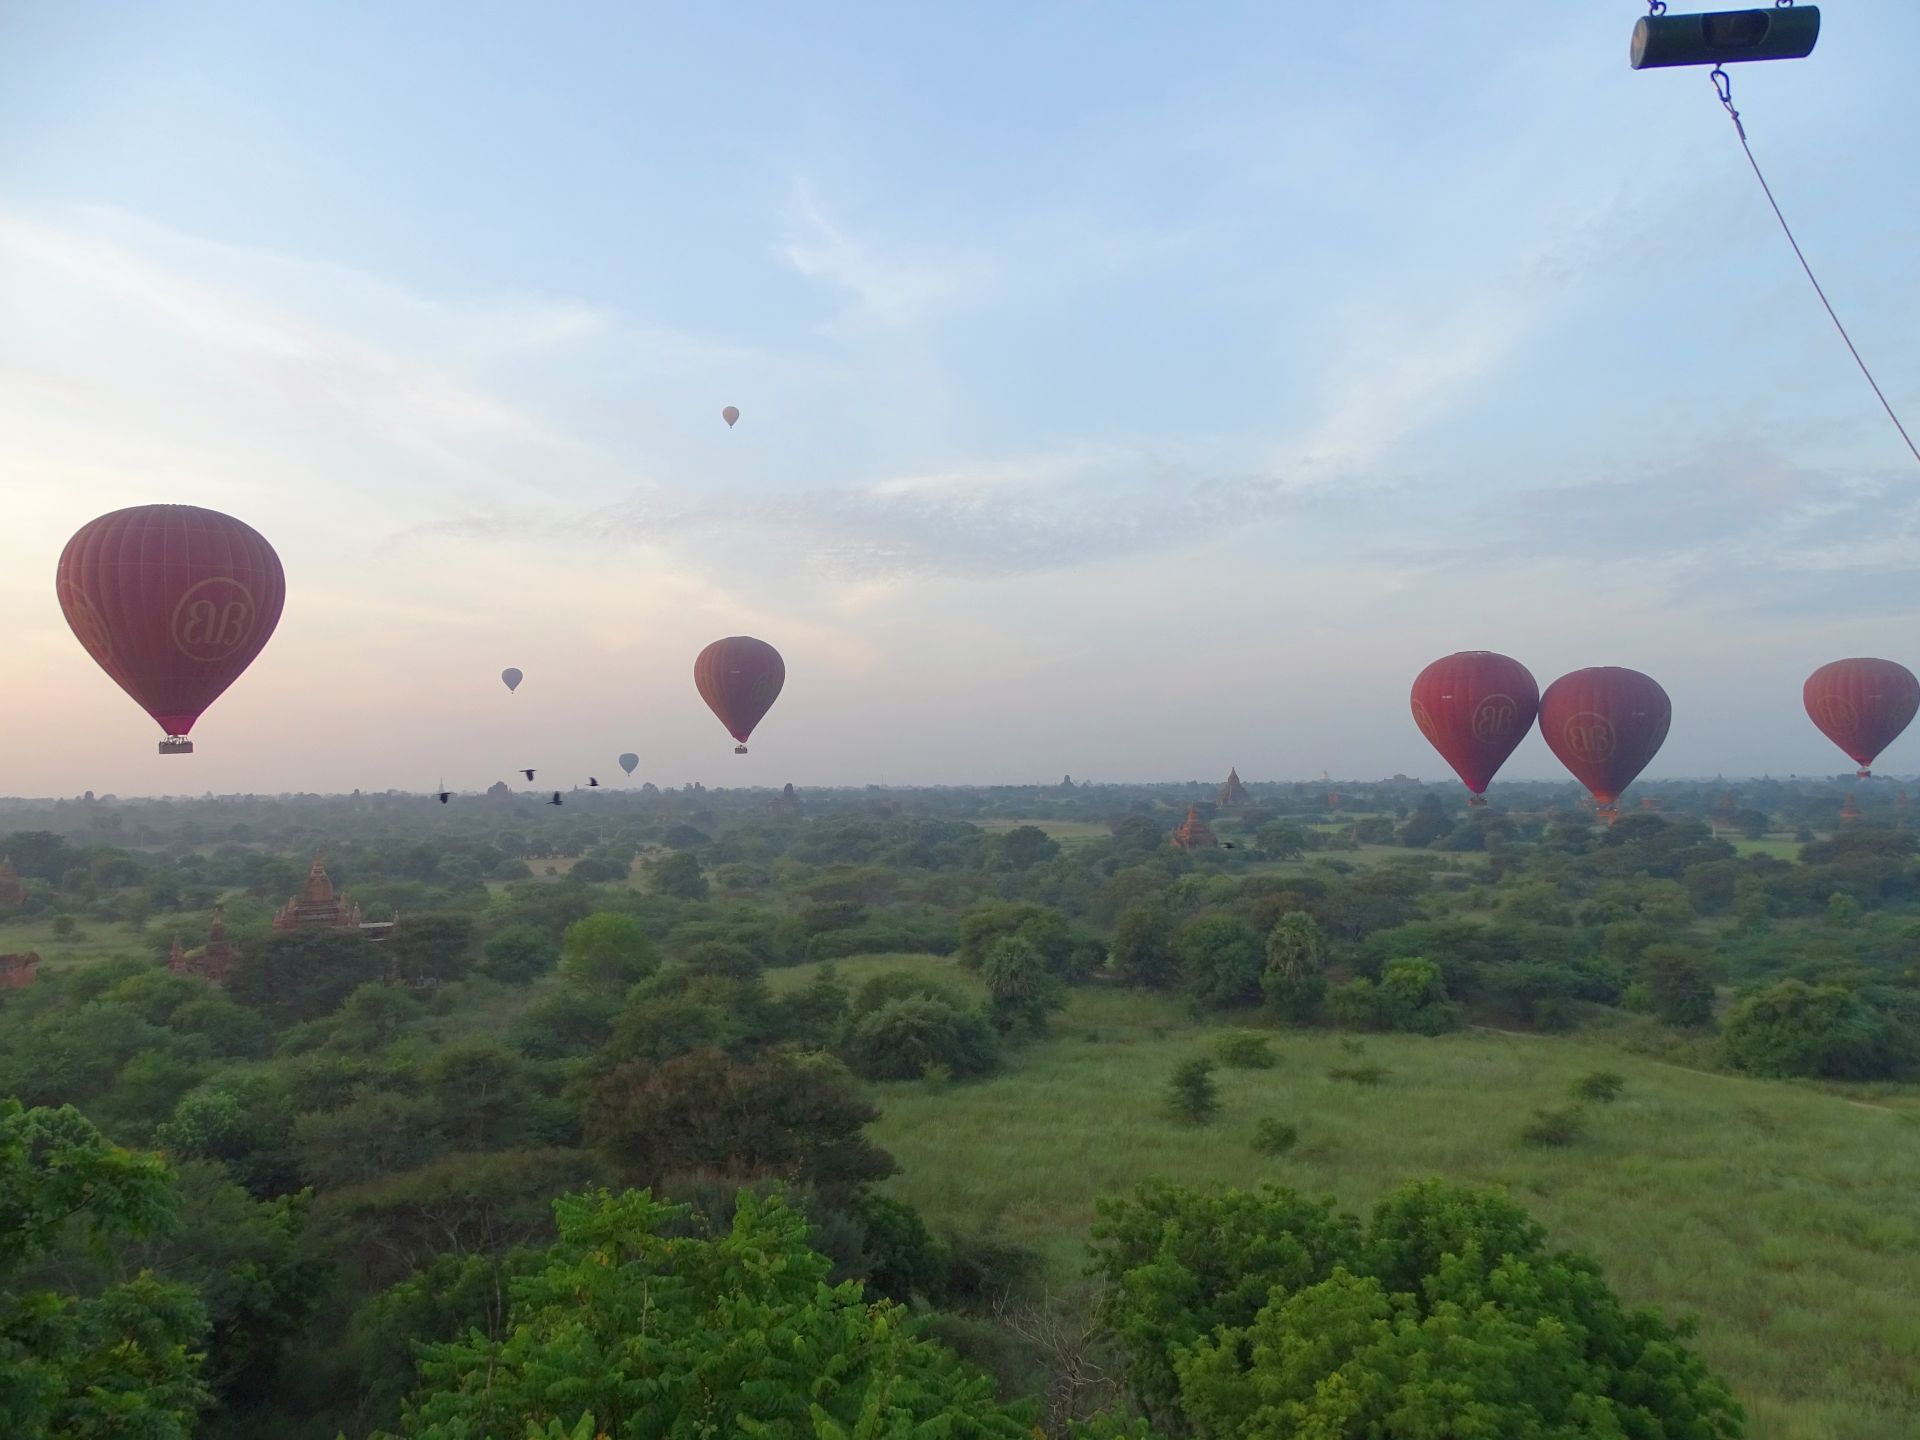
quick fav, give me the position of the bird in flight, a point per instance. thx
(527, 773)
(556, 799)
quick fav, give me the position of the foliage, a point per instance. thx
(906, 1037)
(303, 974)
(653, 1334)
(1409, 995)
(1600, 1086)
(518, 954)
(431, 949)
(1243, 1051)
(1682, 994)
(1554, 1129)
(1220, 961)
(1828, 1031)
(678, 875)
(1193, 1094)
(1141, 952)
(1274, 1137)
(1294, 981)
(1251, 1314)
(1020, 987)
(607, 954)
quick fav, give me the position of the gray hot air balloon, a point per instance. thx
(629, 762)
(730, 415)
(512, 677)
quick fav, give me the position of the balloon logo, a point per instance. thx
(739, 678)
(511, 678)
(1605, 724)
(1475, 708)
(731, 415)
(173, 602)
(1862, 705)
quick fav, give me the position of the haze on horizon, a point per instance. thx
(1126, 392)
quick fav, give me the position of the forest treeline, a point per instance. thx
(565, 1154)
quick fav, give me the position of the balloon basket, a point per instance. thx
(739, 749)
(1476, 802)
(1863, 773)
(176, 745)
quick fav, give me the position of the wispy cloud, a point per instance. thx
(887, 285)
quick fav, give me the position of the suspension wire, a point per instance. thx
(1723, 87)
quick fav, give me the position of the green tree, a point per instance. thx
(1026, 846)
(1682, 994)
(679, 875)
(1193, 1094)
(1283, 840)
(1792, 1028)
(298, 975)
(431, 949)
(905, 1038)
(122, 1362)
(655, 1334)
(1220, 961)
(1020, 988)
(607, 954)
(1294, 980)
(1141, 952)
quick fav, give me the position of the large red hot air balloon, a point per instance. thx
(1605, 724)
(173, 602)
(1862, 705)
(1474, 708)
(739, 678)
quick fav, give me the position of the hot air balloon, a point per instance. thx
(1604, 724)
(629, 762)
(511, 678)
(173, 602)
(1475, 708)
(731, 414)
(739, 678)
(1862, 705)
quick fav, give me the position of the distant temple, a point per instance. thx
(1849, 812)
(1194, 833)
(1233, 795)
(787, 798)
(12, 893)
(214, 961)
(19, 971)
(316, 907)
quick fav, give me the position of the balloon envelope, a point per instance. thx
(1475, 707)
(512, 678)
(1604, 724)
(629, 762)
(739, 678)
(173, 602)
(730, 415)
(1862, 705)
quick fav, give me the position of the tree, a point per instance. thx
(1041, 926)
(607, 954)
(1682, 994)
(1220, 961)
(304, 974)
(1295, 981)
(792, 1117)
(1142, 949)
(650, 1333)
(678, 875)
(1026, 846)
(1283, 840)
(118, 1363)
(1192, 1094)
(1792, 1028)
(518, 954)
(1249, 1315)
(1430, 821)
(1020, 987)
(905, 1038)
(431, 949)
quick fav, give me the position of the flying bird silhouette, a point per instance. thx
(527, 773)
(556, 799)
(592, 784)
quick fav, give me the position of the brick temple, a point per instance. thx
(1194, 833)
(214, 961)
(1233, 795)
(316, 907)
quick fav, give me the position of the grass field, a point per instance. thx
(1781, 847)
(1786, 1218)
(1067, 832)
(91, 940)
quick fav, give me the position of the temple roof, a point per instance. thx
(1233, 794)
(318, 889)
(1194, 833)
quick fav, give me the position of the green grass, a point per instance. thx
(1787, 1219)
(1781, 847)
(91, 940)
(1067, 832)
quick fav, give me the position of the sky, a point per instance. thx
(1126, 391)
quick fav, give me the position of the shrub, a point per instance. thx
(902, 1038)
(1602, 1087)
(1274, 1137)
(1246, 1052)
(1555, 1128)
(1192, 1094)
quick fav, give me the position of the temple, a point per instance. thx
(1194, 833)
(19, 971)
(214, 961)
(12, 893)
(1849, 812)
(316, 907)
(1233, 795)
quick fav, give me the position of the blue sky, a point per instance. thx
(1094, 361)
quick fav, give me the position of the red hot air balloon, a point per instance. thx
(1604, 725)
(739, 678)
(1475, 708)
(731, 414)
(173, 602)
(1862, 705)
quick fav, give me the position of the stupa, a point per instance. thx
(316, 907)
(1194, 833)
(212, 962)
(1233, 795)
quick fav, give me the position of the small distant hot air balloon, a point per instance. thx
(1604, 724)
(1475, 708)
(629, 762)
(173, 602)
(511, 678)
(739, 678)
(1862, 705)
(731, 415)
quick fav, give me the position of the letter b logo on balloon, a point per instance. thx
(1495, 718)
(213, 619)
(1590, 737)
